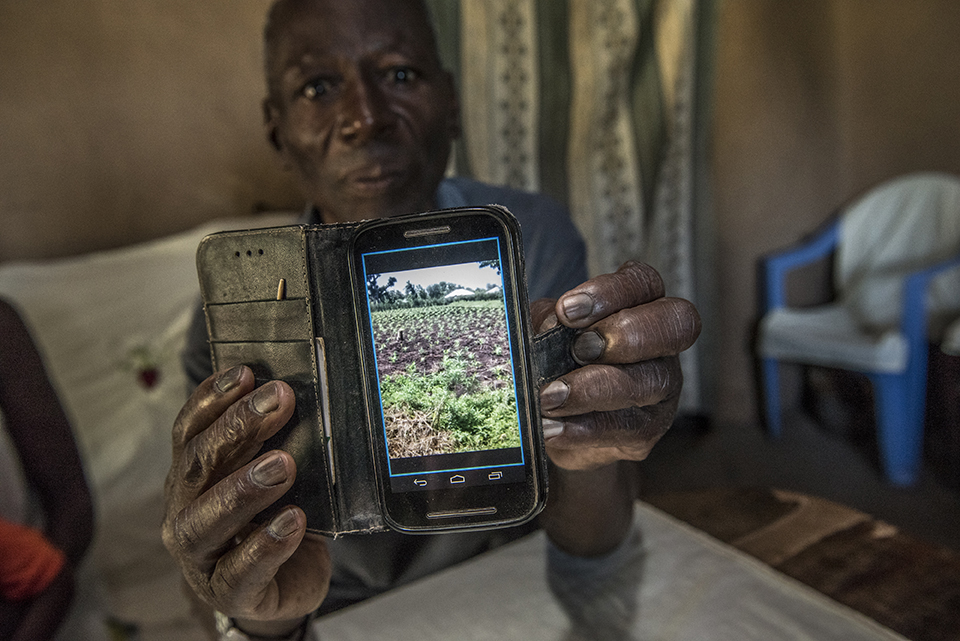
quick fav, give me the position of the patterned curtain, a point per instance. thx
(592, 102)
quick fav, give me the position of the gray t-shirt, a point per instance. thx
(366, 565)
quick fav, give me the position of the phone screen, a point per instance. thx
(444, 358)
(445, 365)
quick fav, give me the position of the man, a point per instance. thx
(360, 109)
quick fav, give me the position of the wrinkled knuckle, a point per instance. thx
(653, 381)
(179, 432)
(226, 583)
(182, 536)
(259, 548)
(223, 596)
(673, 374)
(665, 378)
(237, 497)
(627, 430)
(686, 320)
(662, 329)
(195, 410)
(644, 390)
(627, 327)
(230, 584)
(649, 425)
(232, 426)
(203, 456)
(643, 277)
(168, 537)
(196, 465)
(600, 383)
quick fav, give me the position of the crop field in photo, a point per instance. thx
(446, 380)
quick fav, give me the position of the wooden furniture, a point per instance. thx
(908, 585)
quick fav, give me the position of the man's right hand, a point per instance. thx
(271, 573)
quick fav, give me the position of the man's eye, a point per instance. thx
(401, 75)
(316, 88)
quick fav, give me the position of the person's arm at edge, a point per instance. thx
(42, 433)
(40, 617)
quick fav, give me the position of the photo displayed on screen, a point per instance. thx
(443, 358)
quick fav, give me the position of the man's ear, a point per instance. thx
(270, 124)
(453, 117)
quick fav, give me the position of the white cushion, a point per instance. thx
(828, 335)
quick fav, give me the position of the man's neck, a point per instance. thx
(313, 215)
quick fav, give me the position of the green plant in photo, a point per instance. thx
(476, 417)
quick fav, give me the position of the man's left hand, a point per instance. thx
(625, 395)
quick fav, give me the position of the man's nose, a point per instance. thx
(364, 110)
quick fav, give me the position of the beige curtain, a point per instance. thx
(592, 102)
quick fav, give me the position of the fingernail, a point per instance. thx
(588, 347)
(554, 395)
(266, 399)
(284, 524)
(549, 323)
(270, 471)
(577, 306)
(551, 428)
(229, 379)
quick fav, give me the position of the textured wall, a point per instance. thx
(124, 120)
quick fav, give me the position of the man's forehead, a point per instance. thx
(376, 23)
(304, 45)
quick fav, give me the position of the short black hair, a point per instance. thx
(280, 13)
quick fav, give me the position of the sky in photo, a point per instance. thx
(468, 275)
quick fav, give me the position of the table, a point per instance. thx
(909, 585)
(694, 587)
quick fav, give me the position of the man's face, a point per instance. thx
(360, 108)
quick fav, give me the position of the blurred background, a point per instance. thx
(699, 135)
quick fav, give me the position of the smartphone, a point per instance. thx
(443, 316)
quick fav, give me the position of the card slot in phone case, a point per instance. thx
(277, 320)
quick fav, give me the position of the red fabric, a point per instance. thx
(28, 561)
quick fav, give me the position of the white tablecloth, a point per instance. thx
(694, 589)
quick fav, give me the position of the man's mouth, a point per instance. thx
(373, 179)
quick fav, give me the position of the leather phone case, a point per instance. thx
(281, 301)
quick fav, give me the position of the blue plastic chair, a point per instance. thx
(894, 250)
